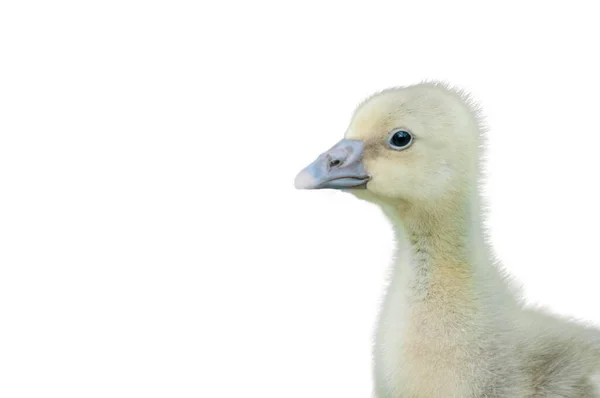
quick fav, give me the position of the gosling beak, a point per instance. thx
(339, 168)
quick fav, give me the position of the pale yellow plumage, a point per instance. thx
(451, 324)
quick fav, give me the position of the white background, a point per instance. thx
(151, 241)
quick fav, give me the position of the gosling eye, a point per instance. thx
(400, 139)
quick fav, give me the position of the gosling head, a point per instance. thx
(415, 146)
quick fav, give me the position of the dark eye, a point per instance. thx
(400, 139)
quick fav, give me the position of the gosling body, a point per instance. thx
(451, 323)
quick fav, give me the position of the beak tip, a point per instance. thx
(304, 180)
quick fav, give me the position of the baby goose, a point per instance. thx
(451, 325)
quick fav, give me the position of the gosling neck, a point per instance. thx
(439, 250)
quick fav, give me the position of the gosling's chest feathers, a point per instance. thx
(429, 320)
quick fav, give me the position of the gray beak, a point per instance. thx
(339, 168)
